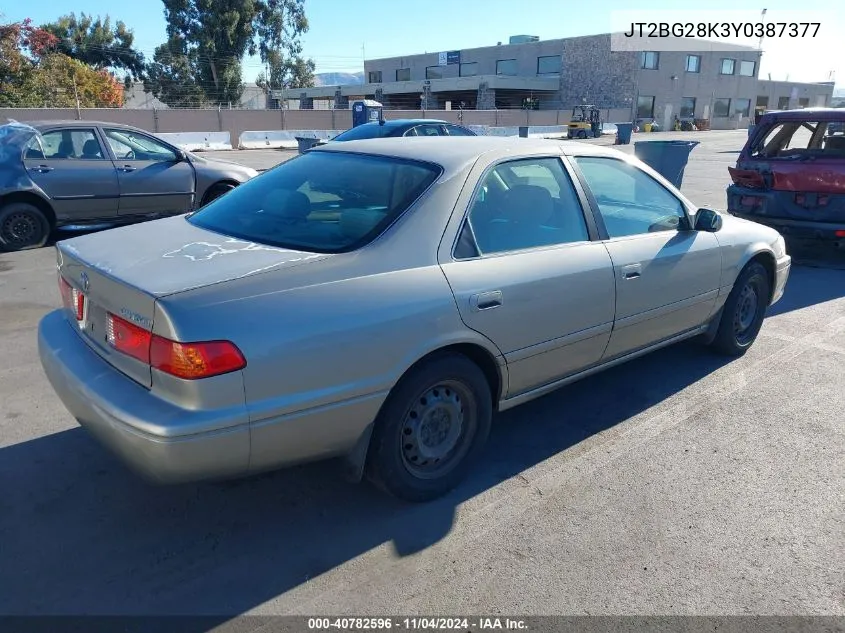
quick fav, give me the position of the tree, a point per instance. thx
(33, 73)
(293, 72)
(93, 41)
(207, 39)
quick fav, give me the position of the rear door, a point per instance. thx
(152, 179)
(525, 273)
(73, 168)
(667, 276)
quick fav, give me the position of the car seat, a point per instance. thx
(526, 213)
(65, 150)
(91, 149)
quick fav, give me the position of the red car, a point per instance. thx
(791, 174)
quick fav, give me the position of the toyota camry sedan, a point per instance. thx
(381, 300)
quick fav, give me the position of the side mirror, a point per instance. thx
(708, 220)
(181, 156)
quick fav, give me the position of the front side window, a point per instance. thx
(322, 202)
(67, 144)
(524, 204)
(727, 67)
(424, 130)
(128, 145)
(630, 201)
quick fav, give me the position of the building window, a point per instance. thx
(649, 60)
(374, 77)
(693, 63)
(728, 67)
(434, 72)
(722, 108)
(506, 67)
(804, 102)
(645, 107)
(403, 74)
(741, 107)
(762, 101)
(747, 69)
(548, 65)
(783, 103)
(470, 69)
(688, 107)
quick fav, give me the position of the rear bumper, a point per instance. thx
(796, 228)
(106, 402)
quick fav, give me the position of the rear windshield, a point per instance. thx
(322, 202)
(368, 130)
(802, 139)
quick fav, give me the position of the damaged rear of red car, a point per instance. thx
(791, 174)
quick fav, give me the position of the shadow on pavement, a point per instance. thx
(79, 534)
(808, 286)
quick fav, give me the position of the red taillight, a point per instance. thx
(128, 338)
(183, 360)
(72, 299)
(195, 360)
(751, 201)
(747, 178)
(839, 233)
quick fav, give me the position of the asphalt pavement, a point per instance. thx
(680, 483)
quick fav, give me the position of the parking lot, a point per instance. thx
(680, 483)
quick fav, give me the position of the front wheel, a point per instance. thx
(22, 226)
(215, 191)
(745, 308)
(582, 134)
(431, 428)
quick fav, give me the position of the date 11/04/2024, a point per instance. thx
(416, 624)
(723, 29)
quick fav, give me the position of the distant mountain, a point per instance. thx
(338, 79)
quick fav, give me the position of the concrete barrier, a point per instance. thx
(198, 141)
(280, 139)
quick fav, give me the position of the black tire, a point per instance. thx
(582, 134)
(400, 460)
(22, 226)
(217, 190)
(745, 308)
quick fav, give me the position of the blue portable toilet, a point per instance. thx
(366, 111)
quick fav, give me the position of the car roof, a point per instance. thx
(823, 114)
(455, 152)
(43, 125)
(401, 122)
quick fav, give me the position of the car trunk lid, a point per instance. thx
(124, 272)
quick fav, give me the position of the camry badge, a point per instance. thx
(86, 283)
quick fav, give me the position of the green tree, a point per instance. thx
(207, 39)
(96, 43)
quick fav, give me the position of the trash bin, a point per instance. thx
(523, 131)
(366, 111)
(623, 132)
(667, 158)
(306, 142)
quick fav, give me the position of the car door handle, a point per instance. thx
(632, 271)
(42, 169)
(486, 300)
(127, 168)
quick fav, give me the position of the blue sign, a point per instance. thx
(453, 57)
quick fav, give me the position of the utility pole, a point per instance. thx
(762, 20)
(76, 96)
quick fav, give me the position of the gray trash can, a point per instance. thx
(523, 131)
(305, 143)
(623, 132)
(667, 158)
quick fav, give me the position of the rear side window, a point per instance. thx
(796, 139)
(322, 202)
(367, 130)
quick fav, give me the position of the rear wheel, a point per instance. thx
(582, 134)
(215, 191)
(431, 428)
(22, 226)
(745, 308)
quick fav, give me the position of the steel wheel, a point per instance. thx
(435, 429)
(22, 226)
(746, 312)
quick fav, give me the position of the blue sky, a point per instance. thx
(342, 32)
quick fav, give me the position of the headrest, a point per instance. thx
(835, 143)
(91, 148)
(527, 204)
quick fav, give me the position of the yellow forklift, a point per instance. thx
(585, 122)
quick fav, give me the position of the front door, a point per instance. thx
(526, 275)
(72, 167)
(152, 178)
(667, 275)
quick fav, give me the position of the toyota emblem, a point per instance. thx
(83, 279)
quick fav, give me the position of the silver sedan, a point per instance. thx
(380, 300)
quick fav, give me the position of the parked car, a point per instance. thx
(403, 127)
(791, 174)
(380, 300)
(58, 173)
